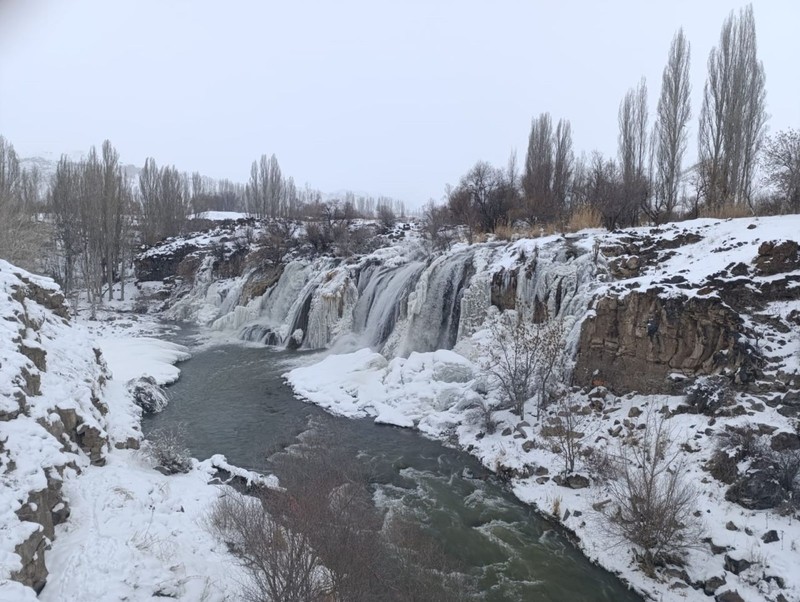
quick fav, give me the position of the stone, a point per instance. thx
(36, 354)
(770, 536)
(730, 526)
(31, 552)
(147, 394)
(573, 481)
(527, 446)
(713, 584)
(506, 431)
(777, 257)
(735, 565)
(756, 491)
(729, 596)
(634, 412)
(785, 442)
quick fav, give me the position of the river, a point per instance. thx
(232, 400)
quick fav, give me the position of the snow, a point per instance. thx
(143, 356)
(133, 533)
(218, 216)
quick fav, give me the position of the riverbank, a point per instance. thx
(440, 395)
(111, 527)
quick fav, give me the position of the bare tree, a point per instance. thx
(436, 223)
(632, 145)
(563, 161)
(671, 135)
(164, 197)
(781, 161)
(538, 174)
(19, 194)
(654, 502)
(268, 194)
(733, 114)
(484, 195)
(64, 195)
(602, 189)
(548, 168)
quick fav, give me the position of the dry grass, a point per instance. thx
(583, 218)
(726, 211)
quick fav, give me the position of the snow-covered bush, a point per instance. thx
(167, 448)
(709, 394)
(147, 394)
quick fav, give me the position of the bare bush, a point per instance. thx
(167, 447)
(523, 357)
(654, 503)
(437, 226)
(279, 237)
(568, 429)
(322, 538)
(281, 563)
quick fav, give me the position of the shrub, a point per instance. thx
(654, 503)
(166, 447)
(322, 538)
(584, 217)
(523, 358)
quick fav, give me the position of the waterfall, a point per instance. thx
(434, 308)
(383, 293)
(394, 303)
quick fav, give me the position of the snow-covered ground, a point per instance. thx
(132, 533)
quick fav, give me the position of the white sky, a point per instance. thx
(395, 98)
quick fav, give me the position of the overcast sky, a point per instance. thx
(394, 98)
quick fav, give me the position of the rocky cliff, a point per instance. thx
(52, 418)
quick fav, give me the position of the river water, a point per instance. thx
(232, 400)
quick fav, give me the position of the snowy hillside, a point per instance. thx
(83, 515)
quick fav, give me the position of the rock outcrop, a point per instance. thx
(636, 341)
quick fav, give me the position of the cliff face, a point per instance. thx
(52, 419)
(644, 342)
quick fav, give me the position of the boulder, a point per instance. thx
(573, 481)
(147, 394)
(777, 257)
(729, 596)
(756, 491)
(713, 584)
(736, 566)
(785, 442)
